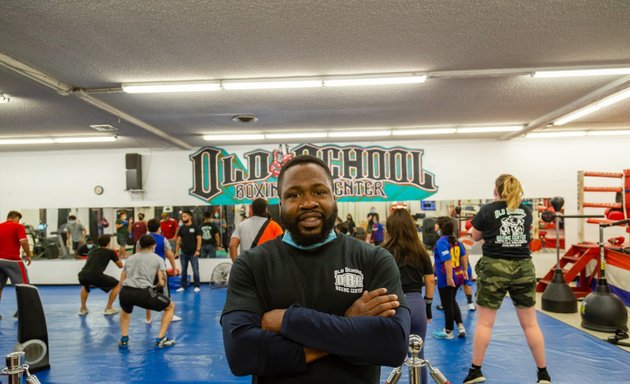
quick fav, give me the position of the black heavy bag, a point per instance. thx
(32, 332)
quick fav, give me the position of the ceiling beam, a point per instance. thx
(66, 90)
(583, 101)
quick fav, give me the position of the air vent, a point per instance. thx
(104, 127)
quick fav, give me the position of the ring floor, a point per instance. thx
(84, 349)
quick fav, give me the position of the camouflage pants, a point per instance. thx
(497, 277)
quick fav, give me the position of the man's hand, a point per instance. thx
(28, 260)
(272, 320)
(374, 303)
(449, 281)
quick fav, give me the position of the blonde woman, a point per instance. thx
(505, 267)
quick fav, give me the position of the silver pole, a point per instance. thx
(14, 367)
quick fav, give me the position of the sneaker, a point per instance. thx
(122, 344)
(472, 307)
(474, 376)
(543, 377)
(443, 335)
(176, 318)
(461, 331)
(111, 311)
(180, 289)
(148, 321)
(440, 307)
(164, 342)
(83, 312)
(197, 289)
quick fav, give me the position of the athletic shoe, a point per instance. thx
(122, 344)
(543, 377)
(474, 376)
(461, 331)
(176, 318)
(440, 307)
(197, 289)
(111, 311)
(148, 321)
(180, 289)
(472, 307)
(443, 335)
(164, 342)
(83, 312)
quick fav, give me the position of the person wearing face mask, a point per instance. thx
(76, 233)
(313, 306)
(189, 242)
(210, 239)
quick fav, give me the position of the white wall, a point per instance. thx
(462, 169)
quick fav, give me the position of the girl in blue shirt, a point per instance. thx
(451, 265)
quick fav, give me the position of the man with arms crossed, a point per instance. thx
(312, 306)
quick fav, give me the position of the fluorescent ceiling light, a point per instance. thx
(59, 140)
(86, 139)
(609, 133)
(234, 137)
(175, 86)
(376, 79)
(271, 84)
(582, 72)
(428, 131)
(487, 129)
(365, 134)
(25, 141)
(576, 115)
(296, 135)
(4, 98)
(608, 101)
(542, 135)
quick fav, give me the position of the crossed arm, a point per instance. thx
(374, 330)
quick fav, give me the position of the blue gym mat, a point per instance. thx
(84, 349)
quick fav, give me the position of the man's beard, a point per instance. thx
(305, 240)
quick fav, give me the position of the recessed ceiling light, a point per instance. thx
(245, 118)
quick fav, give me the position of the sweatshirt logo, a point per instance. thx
(349, 280)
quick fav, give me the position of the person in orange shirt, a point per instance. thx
(254, 231)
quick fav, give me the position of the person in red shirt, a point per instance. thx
(12, 237)
(138, 228)
(169, 227)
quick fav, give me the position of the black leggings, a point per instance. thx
(451, 309)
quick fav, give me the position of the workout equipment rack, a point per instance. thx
(623, 189)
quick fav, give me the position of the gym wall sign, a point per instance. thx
(371, 173)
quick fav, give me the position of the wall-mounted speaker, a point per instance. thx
(133, 165)
(32, 332)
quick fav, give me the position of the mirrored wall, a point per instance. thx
(49, 239)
